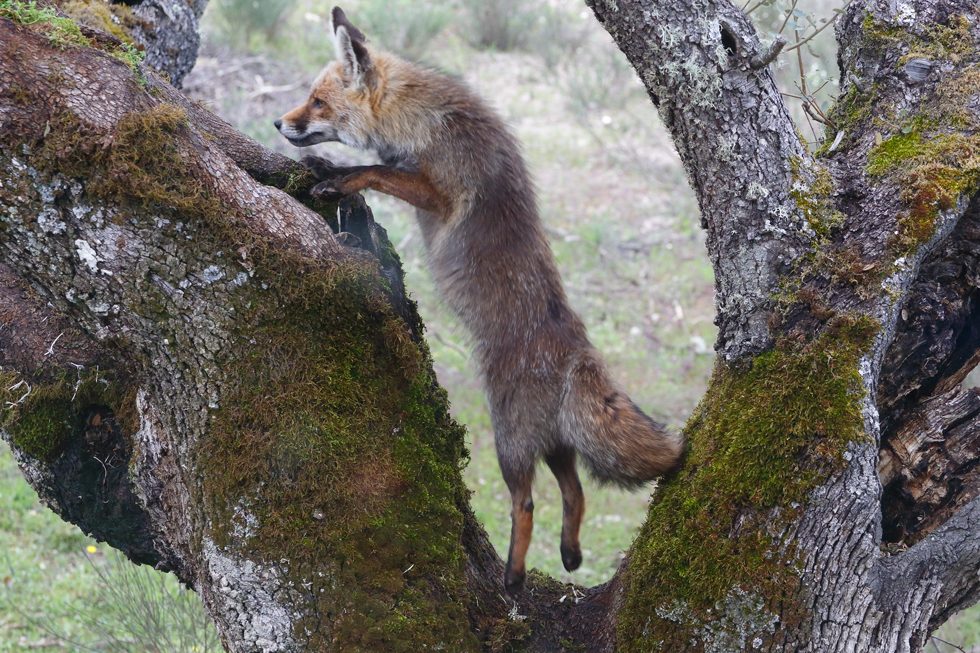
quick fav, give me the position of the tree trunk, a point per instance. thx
(845, 287)
(200, 371)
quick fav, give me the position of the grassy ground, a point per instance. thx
(623, 225)
(62, 591)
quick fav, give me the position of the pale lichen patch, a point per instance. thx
(730, 624)
(87, 254)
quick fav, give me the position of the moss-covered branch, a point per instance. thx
(278, 420)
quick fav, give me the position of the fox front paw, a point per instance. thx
(320, 167)
(328, 191)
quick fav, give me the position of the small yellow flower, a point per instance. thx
(91, 549)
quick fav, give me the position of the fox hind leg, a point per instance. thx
(562, 464)
(522, 523)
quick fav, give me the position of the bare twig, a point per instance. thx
(50, 350)
(262, 88)
(958, 648)
(786, 20)
(799, 59)
(764, 58)
(105, 470)
(452, 345)
(811, 112)
(822, 28)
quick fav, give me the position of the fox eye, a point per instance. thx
(317, 103)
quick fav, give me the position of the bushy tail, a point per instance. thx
(618, 442)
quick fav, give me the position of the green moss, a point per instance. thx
(140, 163)
(509, 633)
(950, 108)
(761, 441)
(114, 19)
(145, 165)
(20, 94)
(950, 42)
(812, 190)
(841, 264)
(894, 151)
(44, 428)
(878, 31)
(62, 32)
(44, 411)
(334, 430)
(933, 171)
(65, 32)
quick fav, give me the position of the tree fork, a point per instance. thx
(288, 451)
(805, 248)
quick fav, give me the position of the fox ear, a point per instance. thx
(338, 19)
(353, 54)
(351, 51)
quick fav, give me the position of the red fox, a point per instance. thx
(448, 154)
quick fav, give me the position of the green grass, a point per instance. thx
(43, 570)
(62, 591)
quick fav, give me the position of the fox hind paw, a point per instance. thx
(513, 580)
(570, 558)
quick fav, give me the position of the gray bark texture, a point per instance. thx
(198, 369)
(884, 229)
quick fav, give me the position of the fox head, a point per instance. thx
(339, 106)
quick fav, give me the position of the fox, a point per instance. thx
(447, 153)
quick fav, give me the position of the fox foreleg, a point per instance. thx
(412, 187)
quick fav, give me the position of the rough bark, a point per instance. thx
(199, 370)
(182, 299)
(876, 237)
(167, 30)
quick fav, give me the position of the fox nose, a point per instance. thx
(278, 124)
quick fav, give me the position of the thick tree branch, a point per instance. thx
(168, 30)
(940, 571)
(937, 338)
(861, 224)
(737, 142)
